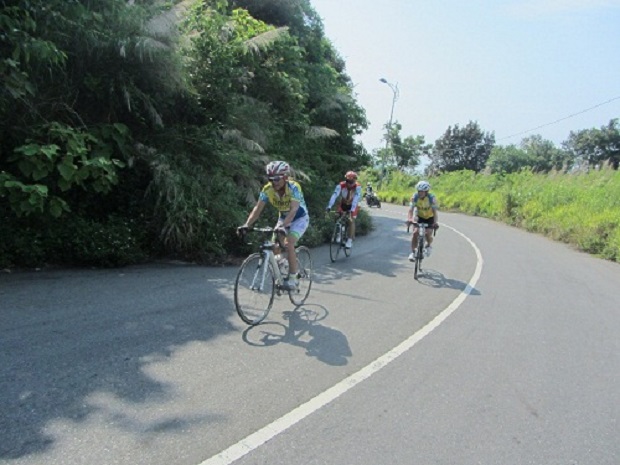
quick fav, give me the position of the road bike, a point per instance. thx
(420, 249)
(261, 277)
(339, 236)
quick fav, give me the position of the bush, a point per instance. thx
(110, 244)
(73, 241)
(26, 249)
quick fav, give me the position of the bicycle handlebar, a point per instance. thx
(244, 230)
(339, 214)
(424, 225)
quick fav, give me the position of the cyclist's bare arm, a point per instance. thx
(255, 213)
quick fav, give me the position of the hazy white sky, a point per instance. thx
(510, 65)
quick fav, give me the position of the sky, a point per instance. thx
(516, 67)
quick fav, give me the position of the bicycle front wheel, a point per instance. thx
(334, 244)
(304, 276)
(418, 260)
(254, 289)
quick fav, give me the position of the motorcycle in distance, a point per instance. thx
(372, 200)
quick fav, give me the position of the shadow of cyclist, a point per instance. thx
(327, 344)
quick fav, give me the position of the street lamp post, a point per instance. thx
(394, 88)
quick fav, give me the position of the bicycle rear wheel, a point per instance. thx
(334, 244)
(254, 289)
(304, 276)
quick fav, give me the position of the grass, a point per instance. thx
(581, 209)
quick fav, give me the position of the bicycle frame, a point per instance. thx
(268, 256)
(421, 236)
(343, 222)
(419, 251)
(341, 227)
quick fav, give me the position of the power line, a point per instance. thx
(561, 119)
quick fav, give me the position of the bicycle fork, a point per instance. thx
(258, 281)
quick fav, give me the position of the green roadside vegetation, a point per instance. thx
(581, 208)
(133, 131)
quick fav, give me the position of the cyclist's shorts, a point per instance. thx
(428, 221)
(347, 208)
(298, 227)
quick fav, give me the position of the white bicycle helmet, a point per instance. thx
(423, 186)
(278, 168)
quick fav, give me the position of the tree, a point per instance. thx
(593, 147)
(405, 154)
(465, 148)
(329, 104)
(544, 156)
(534, 153)
(507, 159)
(71, 77)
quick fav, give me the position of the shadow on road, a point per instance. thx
(74, 342)
(433, 278)
(304, 330)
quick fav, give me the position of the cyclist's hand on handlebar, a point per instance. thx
(242, 230)
(327, 210)
(281, 230)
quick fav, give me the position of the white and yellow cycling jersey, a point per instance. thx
(292, 191)
(426, 206)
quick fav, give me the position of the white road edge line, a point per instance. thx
(260, 437)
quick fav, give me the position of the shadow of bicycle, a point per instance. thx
(303, 329)
(433, 278)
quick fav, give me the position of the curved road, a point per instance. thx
(505, 352)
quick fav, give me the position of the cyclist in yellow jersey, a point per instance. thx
(423, 209)
(286, 196)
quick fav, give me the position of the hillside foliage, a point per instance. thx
(131, 130)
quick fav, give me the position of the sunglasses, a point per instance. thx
(275, 178)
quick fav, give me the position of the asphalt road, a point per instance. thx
(506, 351)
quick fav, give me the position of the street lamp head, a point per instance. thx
(383, 80)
